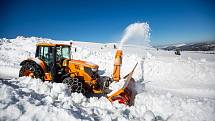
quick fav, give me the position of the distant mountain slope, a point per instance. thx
(200, 46)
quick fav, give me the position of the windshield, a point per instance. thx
(63, 52)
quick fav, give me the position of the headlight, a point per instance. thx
(94, 69)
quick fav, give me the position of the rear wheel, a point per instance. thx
(31, 70)
(74, 84)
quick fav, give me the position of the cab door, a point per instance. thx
(45, 53)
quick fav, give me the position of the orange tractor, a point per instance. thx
(53, 63)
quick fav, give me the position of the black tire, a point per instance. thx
(31, 67)
(75, 85)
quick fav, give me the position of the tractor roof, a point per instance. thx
(52, 44)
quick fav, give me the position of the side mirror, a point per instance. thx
(75, 49)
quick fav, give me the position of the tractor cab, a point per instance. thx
(53, 55)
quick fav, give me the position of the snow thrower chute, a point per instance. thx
(53, 63)
(126, 90)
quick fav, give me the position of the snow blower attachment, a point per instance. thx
(125, 93)
(53, 63)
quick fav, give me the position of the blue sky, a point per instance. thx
(171, 21)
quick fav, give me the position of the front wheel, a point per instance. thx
(74, 84)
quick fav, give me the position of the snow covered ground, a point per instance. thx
(170, 87)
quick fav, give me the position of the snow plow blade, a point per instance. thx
(126, 94)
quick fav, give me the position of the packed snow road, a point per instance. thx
(170, 87)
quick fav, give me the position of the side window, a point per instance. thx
(48, 55)
(58, 54)
(65, 51)
(40, 55)
(45, 53)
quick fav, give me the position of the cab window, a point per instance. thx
(62, 52)
(45, 53)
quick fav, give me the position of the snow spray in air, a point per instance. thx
(136, 34)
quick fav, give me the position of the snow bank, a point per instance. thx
(186, 76)
(31, 99)
(16, 50)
